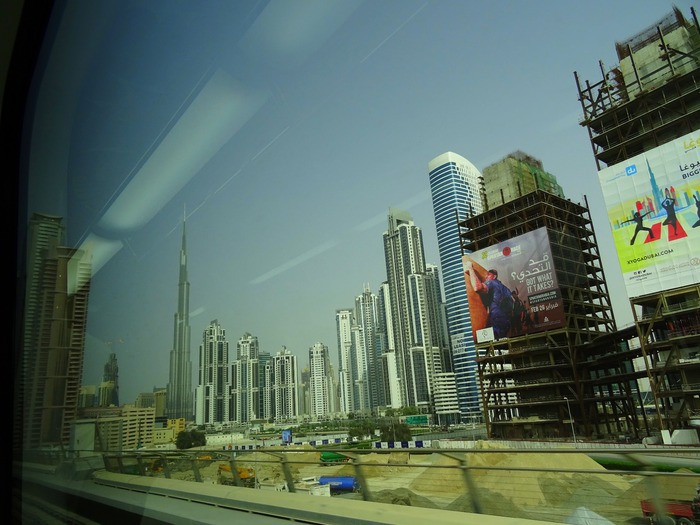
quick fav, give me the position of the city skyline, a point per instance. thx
(286, 200)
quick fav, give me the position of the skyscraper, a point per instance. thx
(304, 393)
(212, 396)
(389, 395)
(321, 383)
(413, 310)
(266, 409)
(346, 359)
(179, 404)
(369, 380)
(457, 192)
(44, 232)
(109, 389)
(51, 365)
(285, 386)
(361, 381)
(245, 380)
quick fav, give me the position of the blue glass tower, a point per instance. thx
(456, 190)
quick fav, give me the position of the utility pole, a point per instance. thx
(571, 420)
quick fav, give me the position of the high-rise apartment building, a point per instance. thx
(105, 394)
(304, 394)
(44, 232)
(154, 399)
(161, 399)
(87, 396)
(457, 192)
(414, 304)
(179, 389)
(51, 364)
(115, 429)
(323, 399)
(445, 401)
(284, 381)
(109, 388)
(347, 364)
(213, 393)
(245, 380)
(266, 409)
(368, 354)
(145, 400)
(644, 128)
(390, 394)
(67, 273)
(360, 378)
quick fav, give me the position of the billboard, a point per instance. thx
(512, 288)
(653, 206)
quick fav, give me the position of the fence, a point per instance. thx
(557, 484)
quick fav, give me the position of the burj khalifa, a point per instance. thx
(179, 401)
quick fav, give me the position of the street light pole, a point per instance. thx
(571, 419)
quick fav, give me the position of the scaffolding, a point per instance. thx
(668, 327)
(649, 98)
(575, 380)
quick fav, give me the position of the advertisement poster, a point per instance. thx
(512, 288)
(653, 205)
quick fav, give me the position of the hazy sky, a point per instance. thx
(284, 132)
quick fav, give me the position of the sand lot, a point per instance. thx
(499, 482)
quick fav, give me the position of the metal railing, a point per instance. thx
(550, 485)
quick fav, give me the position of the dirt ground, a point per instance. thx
(500, 482)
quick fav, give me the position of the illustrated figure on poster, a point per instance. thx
(518, 318)
(638, 218)
(697, 205)
(497, 299)
(530, 317)
(669, 204)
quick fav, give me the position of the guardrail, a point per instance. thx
(552, 485)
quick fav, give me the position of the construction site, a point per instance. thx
(564, 368)
(636, 110)
(498, 481)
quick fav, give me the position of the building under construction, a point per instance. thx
(651, 97)
(641, 106)
(582, 376)
(514, 176)
(576, 379)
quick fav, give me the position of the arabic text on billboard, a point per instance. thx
(512, 288)
(653, 204)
